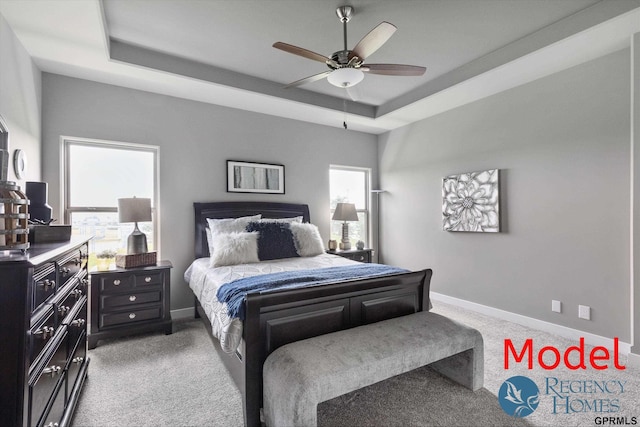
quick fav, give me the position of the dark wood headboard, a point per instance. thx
(204, 210)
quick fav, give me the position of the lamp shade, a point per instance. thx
(345, 212)
(135, 209)
(345, 77)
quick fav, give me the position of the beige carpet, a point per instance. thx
(178, 380)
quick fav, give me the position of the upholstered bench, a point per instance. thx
(302, 374)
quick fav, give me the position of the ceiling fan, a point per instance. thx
(347, 67)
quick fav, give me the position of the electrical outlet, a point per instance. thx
(556, 306)
(584, 312)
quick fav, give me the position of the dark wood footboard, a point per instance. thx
(277, 318)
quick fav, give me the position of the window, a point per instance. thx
(350, 185)
(97, 174)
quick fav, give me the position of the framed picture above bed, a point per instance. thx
(252, 177)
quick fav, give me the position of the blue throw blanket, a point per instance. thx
(233, 293)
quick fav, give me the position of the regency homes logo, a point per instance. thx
(519, 396)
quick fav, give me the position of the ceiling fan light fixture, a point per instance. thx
(345, 77)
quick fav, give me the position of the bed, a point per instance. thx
(278, 317)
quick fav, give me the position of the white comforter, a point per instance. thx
(205, 281)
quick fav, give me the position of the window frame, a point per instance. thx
(67, 210)
(367, 199)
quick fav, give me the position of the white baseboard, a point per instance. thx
(552, 328)
(182, 313)
(633, 360)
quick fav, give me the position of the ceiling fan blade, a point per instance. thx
(393, 69)
(309, 79)
(300, 52)
(372, 41)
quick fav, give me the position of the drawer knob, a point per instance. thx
(77, 293)
(77, 360)
(132, 298)
(47, 284)
(53, 370)
(65, 270)
(76, 261)
(63, 309)
(116, 282)
(78, 322)
(84, 281)
(52, 424)
(132, 316)
(44, 333)
(147, 279)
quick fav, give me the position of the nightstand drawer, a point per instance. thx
(130, 299)
(119, 282)
(148, 279)
(361, 257)
(128, 317)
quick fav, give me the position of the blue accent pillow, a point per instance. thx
(275, 240)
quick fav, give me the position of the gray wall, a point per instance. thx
(562, 145)
(20, 101)
(195, 140)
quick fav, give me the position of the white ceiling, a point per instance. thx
(221, 51)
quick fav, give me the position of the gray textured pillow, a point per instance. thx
(307, 240)
(234, 248)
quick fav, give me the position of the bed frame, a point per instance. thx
(277, 318)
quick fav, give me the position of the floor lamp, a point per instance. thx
(377, 193)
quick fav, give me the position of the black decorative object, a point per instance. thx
(39, 209)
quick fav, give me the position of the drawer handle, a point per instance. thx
(77, 360)
(132, 298)
(116, 282)
(78, 322)
(53, 370)
(63, 309)
(45, 332)
(77, 293)
(52, 424)
(84, 282)
(76, 261)
(65, 270)
(47, 284)
(132, 316)
(147, 279)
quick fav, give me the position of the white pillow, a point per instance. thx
(287, 220)
(234, 248)
(227, 225)
(307, 240)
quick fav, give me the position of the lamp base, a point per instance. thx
(136, 242)
(345, 244)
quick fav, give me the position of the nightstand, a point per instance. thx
(125, 301)
(362, 255)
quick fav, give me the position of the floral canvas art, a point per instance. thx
(470, 202)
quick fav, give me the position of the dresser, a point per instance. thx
(129, 301)
(43, 333)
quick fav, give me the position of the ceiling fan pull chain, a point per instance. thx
(344, 109)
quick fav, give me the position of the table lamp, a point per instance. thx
(135, 210)
(345, 212)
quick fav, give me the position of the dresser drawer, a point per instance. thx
(44, 284)
(42, 330)
(66, 299)
(129, 317)
(77, 359)
(56, 410)
(76, 322)
(69, 265)
(45, 377)
(131, 299)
